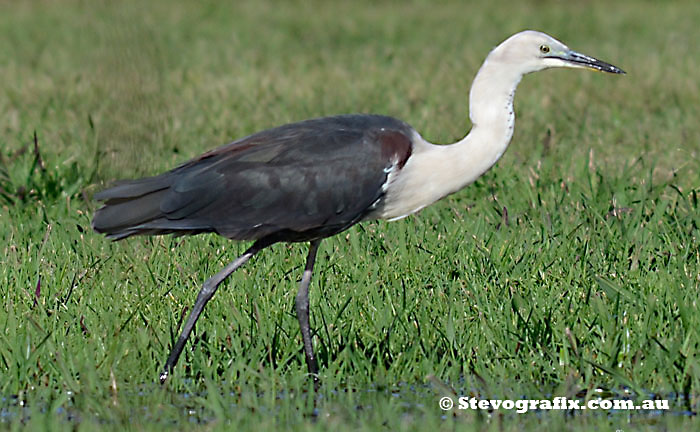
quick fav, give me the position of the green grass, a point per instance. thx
(574, 264)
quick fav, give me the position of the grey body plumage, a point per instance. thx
(296, 182)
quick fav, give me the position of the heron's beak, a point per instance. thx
(576, 59)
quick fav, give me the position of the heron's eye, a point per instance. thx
(544, 49)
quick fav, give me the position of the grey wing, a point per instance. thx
(296, 182)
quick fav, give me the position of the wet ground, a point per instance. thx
(407, 399)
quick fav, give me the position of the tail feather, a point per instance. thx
(129, 205)
(134, 188)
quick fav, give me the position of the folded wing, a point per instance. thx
(299, 181)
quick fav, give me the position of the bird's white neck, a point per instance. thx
(435, 171)
(493, 120)
(491, 102)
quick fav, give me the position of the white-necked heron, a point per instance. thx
(310, 180)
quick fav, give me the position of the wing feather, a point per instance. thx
(299, 181)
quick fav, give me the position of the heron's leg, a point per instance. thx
(302, 304)
(205, 294)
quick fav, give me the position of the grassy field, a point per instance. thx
(572, 266)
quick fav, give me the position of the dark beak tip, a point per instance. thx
(614, 69)
(609, 69)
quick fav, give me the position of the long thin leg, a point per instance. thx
(205, 294)
(302, 304)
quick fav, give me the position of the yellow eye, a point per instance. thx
(544, 49)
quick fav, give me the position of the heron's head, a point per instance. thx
(531, 51)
